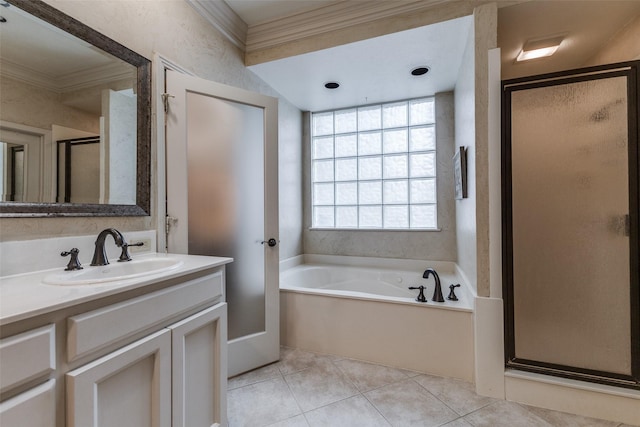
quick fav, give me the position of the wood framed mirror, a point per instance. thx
(125, 175)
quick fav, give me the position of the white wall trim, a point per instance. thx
(326, 19)
(160, 64)
(222, 17)
(572, 396)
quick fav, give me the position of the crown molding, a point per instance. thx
(326, 19)
(224, 19)
(69, 82)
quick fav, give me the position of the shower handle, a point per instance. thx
(271, 242)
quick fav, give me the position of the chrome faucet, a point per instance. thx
(437, 292)
(99, 254)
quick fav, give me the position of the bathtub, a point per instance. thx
(361, 308)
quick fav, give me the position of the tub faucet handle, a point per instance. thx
(452, 295)
(420, 297)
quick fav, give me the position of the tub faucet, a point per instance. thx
(99, 254)
(437, 292)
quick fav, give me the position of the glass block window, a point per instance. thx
(374, 167)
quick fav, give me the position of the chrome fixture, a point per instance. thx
(437, 292)
(74, 262)
(100, 255)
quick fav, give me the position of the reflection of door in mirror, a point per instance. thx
(20, 165)
(79, 170)
(12, 178)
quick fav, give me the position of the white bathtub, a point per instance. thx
(361, 308)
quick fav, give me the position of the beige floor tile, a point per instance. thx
(562, 419)
(353, 412)
(261, 404)
(505, 414)
(406, 403)
(295, 360)
(297, 421)
(460, 422)
(456, 394)
(367, 376)
(257, 375)
(319, 386)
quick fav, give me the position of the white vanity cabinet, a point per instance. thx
(153, 355)
(27, 359)
(175, 376)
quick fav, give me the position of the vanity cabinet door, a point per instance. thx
(33, 408)
(199, 352)
(130, 387)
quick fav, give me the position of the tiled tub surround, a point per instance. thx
(397, 331)
(308, 389)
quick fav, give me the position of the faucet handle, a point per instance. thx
(74, 262)
(124, 255)
(452, 295)
(420, 297)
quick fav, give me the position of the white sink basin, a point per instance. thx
(112, 272)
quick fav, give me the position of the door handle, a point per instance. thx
(271, 242)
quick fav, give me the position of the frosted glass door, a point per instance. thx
(222, 193)
(570, 213)
(226, 200)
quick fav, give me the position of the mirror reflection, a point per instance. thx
(68, 110)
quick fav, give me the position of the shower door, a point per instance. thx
(222, 197)
(570, 191)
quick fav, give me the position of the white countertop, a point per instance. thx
(25, 295)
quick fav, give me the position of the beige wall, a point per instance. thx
(465, 137)
(173, 29)
(29, 105)
(422, 245)
(624, 46)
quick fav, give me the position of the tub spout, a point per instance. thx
(437, 292)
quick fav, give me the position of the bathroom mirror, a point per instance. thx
(63, 84)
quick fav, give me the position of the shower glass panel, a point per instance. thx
(226, 200)
(570, 219)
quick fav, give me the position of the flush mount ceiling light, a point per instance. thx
(332, 85)
(539, 48)
(420, 71)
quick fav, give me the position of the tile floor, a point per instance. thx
(306, 389)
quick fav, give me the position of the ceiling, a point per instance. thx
(586, 25)
(378, 69)
(373, 70)
(42, 55)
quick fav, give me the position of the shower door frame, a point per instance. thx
(632, 71)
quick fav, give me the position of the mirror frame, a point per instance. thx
(49, 14)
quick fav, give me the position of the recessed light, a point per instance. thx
(420, 71)
(332, 85)
(534, 49)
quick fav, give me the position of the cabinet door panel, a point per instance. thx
(127, 388)
(200, 368)
(27, 356)
(33, 408)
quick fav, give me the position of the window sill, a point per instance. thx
(377, 229)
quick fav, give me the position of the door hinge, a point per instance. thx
(165, 101)
(169, 222)
(627, 225)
